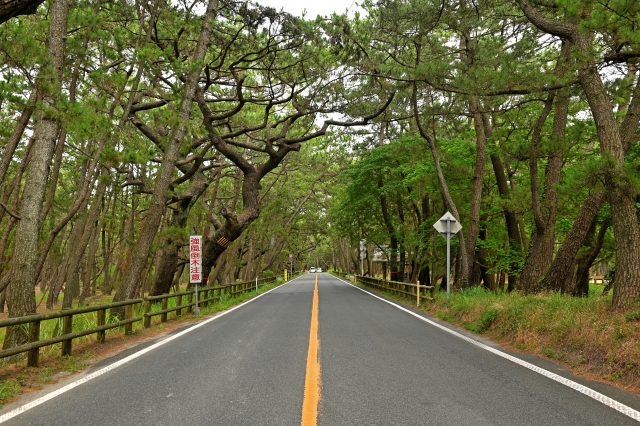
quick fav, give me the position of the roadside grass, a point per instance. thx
(16, 378)
(583, 333)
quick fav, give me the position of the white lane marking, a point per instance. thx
(85, 379)
(610, 402)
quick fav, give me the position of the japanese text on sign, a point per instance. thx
(195, 259)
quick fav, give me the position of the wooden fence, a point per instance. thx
(342, 275)
(406, 289)
(206, 295)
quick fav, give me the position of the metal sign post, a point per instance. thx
(363, 255)
(291, 263)
(196, 310)
(447, 226)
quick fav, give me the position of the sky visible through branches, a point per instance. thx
(313, 8)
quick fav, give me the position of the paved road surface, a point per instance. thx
(380, 365)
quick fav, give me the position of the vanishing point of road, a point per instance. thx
(319, 351)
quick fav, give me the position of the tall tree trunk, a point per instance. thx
(393, 239)
(510, 218)
(70, 278)
(545, 203)
(463, 265)
(21, 293)
(140, 253)
(468, 56)
(235, 224)
(92, 262)
(16, 136)
(169, 262)
(476, 191)
(5, 277)
(619, 188)
(89, 228)
(108, 246)
(3, 298)
(560, 273)
(580, 285)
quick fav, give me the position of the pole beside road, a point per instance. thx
(195, 265)
(447, 226)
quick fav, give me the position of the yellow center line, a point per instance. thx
(312, 380)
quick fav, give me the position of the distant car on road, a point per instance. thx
(318, 269)
(312, 269)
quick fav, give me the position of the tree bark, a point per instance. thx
(171, 246)
(560, 274)
(545, 205)
(580, 285)
(476, 191)
(619, 188)
(21, 294)
(157, 206)
(510, 218)
(393, 238)
(5, 278)
(80, 248)
(468, 55)
(463, 266)
(12, 8)
(16, 136)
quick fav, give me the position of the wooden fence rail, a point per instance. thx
(406, 289)
(206, 295)
(340, 274)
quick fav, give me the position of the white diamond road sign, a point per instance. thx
(447, 226)
(441, 225)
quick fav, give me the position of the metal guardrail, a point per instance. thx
(416, 291)
(206, 295)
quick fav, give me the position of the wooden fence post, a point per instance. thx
(178, 303)
(67, 328)
(128, 313)
(147, 310)
(102, 317)
(34, 336)
(163, 317)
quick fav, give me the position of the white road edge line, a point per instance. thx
(628, 411)
(85, 379)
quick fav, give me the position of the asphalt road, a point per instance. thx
(380, 365)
